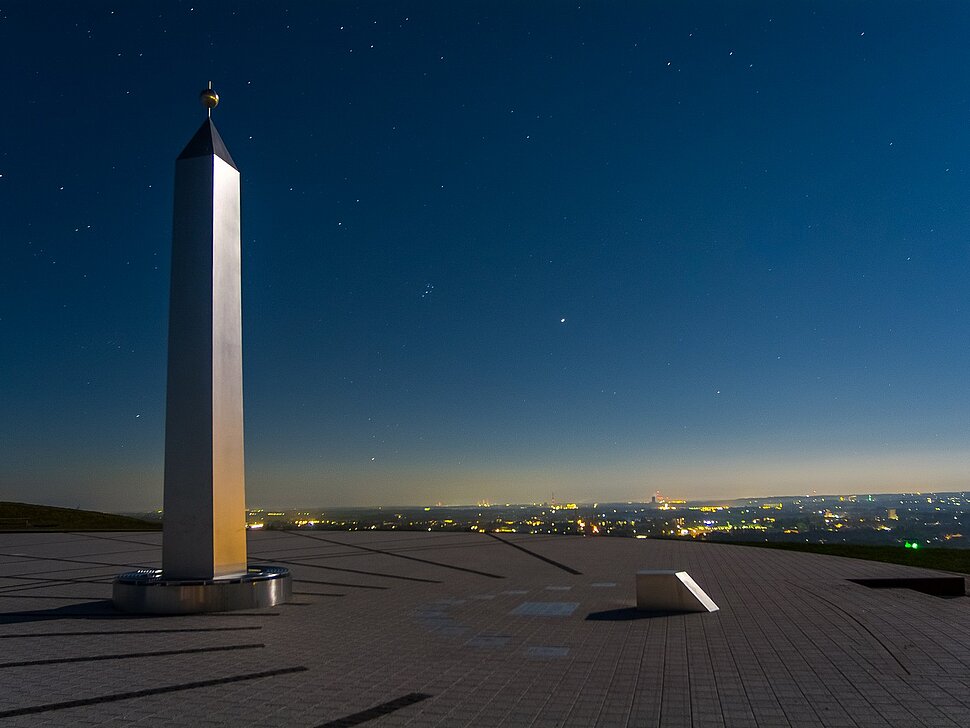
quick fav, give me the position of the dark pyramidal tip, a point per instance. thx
(207, 142)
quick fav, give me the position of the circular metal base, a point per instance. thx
(146, 592)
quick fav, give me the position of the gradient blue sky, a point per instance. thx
(499, 250)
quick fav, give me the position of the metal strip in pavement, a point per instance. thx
(533, 554)
(113, 697)
(129, 655)
(397, 555)
(376, 712)
(352, 571)
(126, 631)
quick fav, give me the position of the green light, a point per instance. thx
(908, 545)
(915, 545)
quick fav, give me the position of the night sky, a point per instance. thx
(503, 251)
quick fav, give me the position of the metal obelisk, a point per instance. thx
(205, 501)
(204, 564)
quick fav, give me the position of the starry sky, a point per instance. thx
(499, 251)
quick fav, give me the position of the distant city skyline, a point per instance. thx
(496, 250)
(911, 520)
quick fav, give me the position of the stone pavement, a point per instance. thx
(461, 629)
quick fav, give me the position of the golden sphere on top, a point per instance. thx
(209, 98)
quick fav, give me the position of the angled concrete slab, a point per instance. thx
(671, 591)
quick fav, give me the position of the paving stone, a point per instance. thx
(477, 625)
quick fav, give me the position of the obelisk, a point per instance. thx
(205, 503)
(204, 566)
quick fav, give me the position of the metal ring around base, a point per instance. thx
(147, 592)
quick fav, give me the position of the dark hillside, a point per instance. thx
(30, 517)
(926, 558)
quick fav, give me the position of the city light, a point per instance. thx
(908, 520)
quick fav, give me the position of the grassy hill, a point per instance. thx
(29, 517)
(957, 560)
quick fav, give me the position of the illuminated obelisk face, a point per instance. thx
(205, 502)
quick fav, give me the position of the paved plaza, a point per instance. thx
(465, 629)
